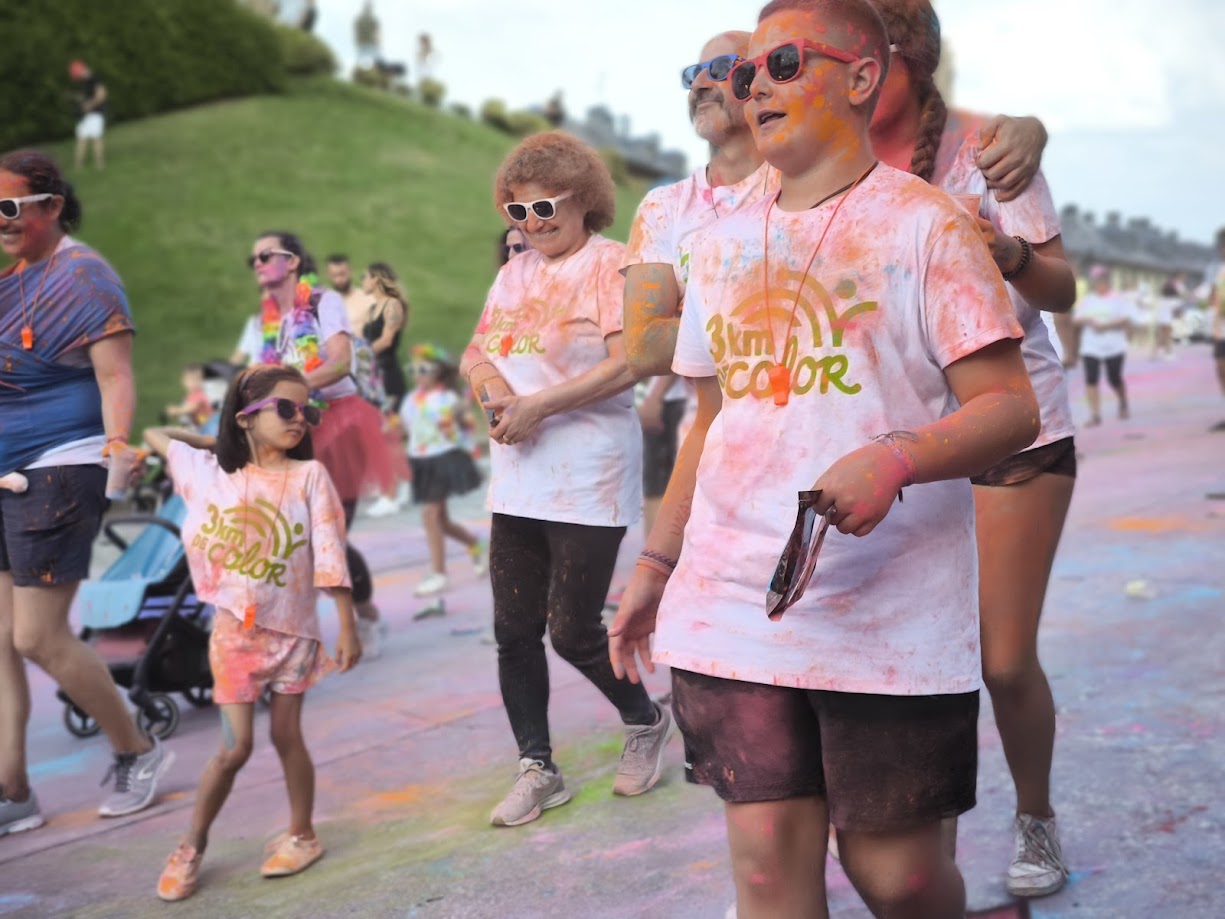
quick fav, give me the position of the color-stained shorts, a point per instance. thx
(244, 661)
(1058, 458)
(47, 532)
(882, 763)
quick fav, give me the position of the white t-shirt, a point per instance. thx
(903, 287)
(1108, 308)
(668, 218)
(251, 341)
(583, 466)
(1033, 216)
(333, 320)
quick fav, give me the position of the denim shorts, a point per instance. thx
(47, 532)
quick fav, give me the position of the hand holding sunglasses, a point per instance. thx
(783, 64)
(544, 208)
(10, 208)
(286, 409)
(718, 68)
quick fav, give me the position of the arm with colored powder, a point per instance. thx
(998, 417)
(1047, 283)
(483, 377)
(652, 307)
(520, 416)
(634, 625)
(158, 439)
(348, 645)
(337, 362)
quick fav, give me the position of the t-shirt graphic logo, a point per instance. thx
(740, 344)
(254, 539)
(523, 325)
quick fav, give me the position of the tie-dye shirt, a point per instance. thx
(434, 422)
(1031, 215)
(551, 319)
(902, 287)
(267, 538)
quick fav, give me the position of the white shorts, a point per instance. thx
(91, 126)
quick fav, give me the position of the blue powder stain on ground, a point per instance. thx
(62, 765)
(10, 902)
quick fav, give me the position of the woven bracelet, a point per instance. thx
(659, 558)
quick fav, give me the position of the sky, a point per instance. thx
(1132, 91)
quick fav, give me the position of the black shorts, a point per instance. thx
(882, 763)
(659, 450)
(1093, 369)
(1058, 458)
(47, 533)
(1218, 349)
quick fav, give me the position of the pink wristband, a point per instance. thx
(902, 457)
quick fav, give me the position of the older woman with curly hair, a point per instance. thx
(548, 363)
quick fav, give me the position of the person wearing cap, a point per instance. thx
(91, 105)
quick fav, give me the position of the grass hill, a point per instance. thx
(353, 170)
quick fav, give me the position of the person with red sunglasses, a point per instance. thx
(848, 334)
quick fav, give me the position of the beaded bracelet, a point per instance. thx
(1027, 254)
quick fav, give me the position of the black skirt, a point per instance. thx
(436, 478)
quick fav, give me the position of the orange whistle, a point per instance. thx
(506, 344)
(27, 337)
(780, 383)
(248, 617)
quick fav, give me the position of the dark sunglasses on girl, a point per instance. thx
(286, 409)
(544, 208)
(719, 68)
(266, 256)
(783, 64)
(10, 208)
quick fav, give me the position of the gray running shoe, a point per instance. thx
(136, 777)
(643, 756)
(18, 816)
(535, 790)
(1038, 867)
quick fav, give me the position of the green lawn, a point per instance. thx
(184, 195)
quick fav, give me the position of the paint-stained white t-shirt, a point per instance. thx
(903, 287)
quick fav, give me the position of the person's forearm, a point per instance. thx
(344, 605)
(118, 403)
(479, 371)
(603, 381)
(659, 388)
(988, 428)
(1047, 283)
(330, 372)
(668, 534)
(652, 305)
(158, 439)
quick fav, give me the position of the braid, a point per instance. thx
(931, 129)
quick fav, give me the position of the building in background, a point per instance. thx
(643, 156)
(1138, 253)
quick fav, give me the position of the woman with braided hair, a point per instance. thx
(1020, 503)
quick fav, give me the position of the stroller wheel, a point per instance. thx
(78, 723)
(199, 696)
(164, 720)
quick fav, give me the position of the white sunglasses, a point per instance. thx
(545, 208)
(10, 208)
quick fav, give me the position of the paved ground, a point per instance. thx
(413, 749)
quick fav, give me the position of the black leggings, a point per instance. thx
(555, 576)
(359, 574)
(1114, 371)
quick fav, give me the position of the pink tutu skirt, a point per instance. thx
(350, 443)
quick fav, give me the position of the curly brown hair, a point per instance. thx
(562, 163)
(915, 28)
(863, 27)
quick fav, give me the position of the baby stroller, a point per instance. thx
(147, 624)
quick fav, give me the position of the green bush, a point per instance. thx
(432, 92)
(152, 55)
(372, 77)
(305, 55)
(522, 124)
(493, 113)
(460, 110)
(617, 167)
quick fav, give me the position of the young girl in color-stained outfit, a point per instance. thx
(264, 531)
(435, 418)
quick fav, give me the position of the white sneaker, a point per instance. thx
(371, 636)
(433, 583)
(1038, 866)
(383, 507)
(536, 789)
(404, 495)
(136, 776)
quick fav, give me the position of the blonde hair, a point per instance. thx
(387, 282)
